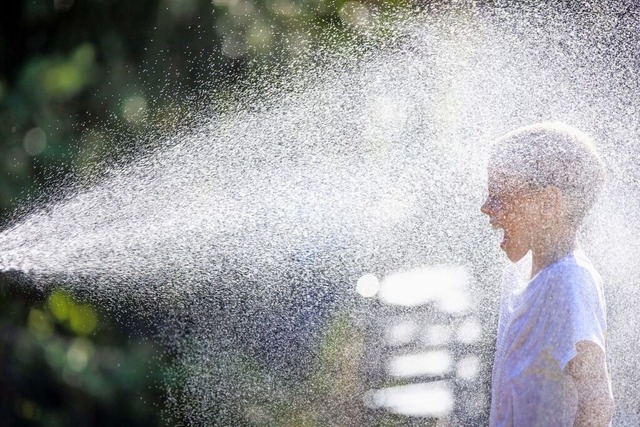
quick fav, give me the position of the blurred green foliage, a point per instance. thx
(63, 363)
(80, 81)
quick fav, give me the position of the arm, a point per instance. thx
(589, 372)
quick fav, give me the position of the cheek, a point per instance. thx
(512, 214)
(519, 219)
(533, 216)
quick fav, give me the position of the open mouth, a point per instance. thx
(498, 229)
(504, 238)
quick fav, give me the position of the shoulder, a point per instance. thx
(574, 278)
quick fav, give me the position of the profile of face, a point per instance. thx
(516, 210)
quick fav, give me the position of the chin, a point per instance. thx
(515, 258)
(514, 254)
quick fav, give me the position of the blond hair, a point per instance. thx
(553, 154)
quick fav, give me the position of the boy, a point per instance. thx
(550, 365)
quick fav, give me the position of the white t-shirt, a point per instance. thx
(541, 320)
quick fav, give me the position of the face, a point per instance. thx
(514, 209)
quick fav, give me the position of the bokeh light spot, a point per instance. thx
(368, 285)
(134, 109)
(59, 304)
(34, 141)
(355, 14)
(39, 324)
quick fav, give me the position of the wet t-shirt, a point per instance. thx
(541, 320)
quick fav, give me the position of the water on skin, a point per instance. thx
(257, 221)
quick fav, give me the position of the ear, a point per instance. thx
(553, 202)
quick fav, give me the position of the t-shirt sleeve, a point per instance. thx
(575, 312)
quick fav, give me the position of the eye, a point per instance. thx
(494, 201)
(497, 202)
(500, 201)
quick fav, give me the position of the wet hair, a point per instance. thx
(552, 154)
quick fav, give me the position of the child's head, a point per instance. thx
(543, 179)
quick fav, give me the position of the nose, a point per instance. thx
(486, 206)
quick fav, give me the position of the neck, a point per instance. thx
(551, 250)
